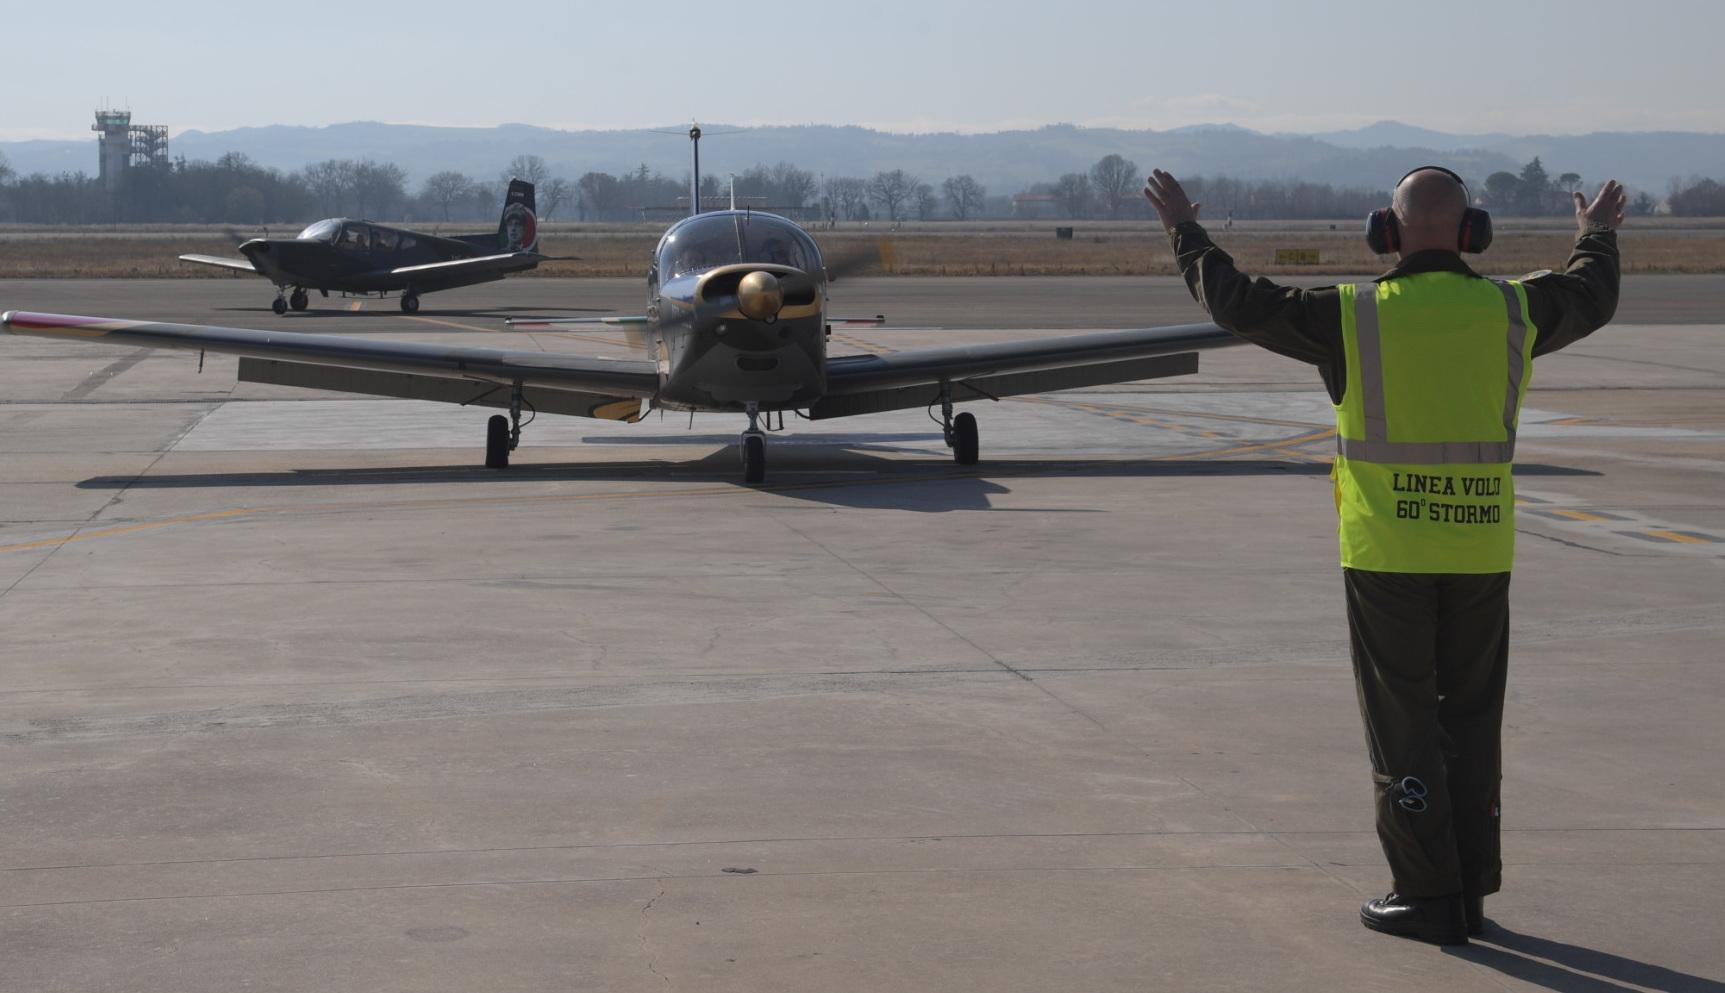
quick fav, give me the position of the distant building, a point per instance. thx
(1035, 205)
(123, 145)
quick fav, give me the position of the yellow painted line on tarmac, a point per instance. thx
(218, 515)
(453, 324)
(1684, 537)
(859, 343)
(1262, 446)
(1580, 515)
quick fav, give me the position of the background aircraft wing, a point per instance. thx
(506, 262)
(389, 368)
(865, 384)
(244, 265)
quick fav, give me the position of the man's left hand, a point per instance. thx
(1166, 195)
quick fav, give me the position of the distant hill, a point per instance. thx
(1006, 162)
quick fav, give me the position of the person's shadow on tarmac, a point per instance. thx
(1573, 969)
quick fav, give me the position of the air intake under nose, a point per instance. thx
(757, 363)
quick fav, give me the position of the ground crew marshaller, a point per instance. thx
(1427, 366)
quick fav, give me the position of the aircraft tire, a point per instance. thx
(754, 458)
(298, 300)
(497, 442)
(409, 303)
(965, 446)
(279, 306)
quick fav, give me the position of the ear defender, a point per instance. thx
(1384, 235)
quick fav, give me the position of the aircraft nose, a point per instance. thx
(760, 296)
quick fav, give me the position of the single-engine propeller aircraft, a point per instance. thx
(354, 256)
(736, 320)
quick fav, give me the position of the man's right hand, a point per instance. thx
(1166, 195)
(1605, 211)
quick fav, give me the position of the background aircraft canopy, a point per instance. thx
(728, 237)
(323, 230)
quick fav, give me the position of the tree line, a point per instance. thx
(236, 190)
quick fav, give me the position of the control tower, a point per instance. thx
(123, 145)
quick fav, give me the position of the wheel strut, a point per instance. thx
(515, 415)
(946, 411)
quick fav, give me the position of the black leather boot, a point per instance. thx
(1440, 920)
(1475, 907)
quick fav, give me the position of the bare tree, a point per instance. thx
(1115, 182)
(378, 187)
(794, 186)
(332, 182)
(529, 167)
(1073, 189)
(598, 192)
(445, 188)
(926, 202)
(552, 195)
(6, 172)
(845, 196)
(965, 195)
(892, 191)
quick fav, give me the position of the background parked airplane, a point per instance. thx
(358, 256)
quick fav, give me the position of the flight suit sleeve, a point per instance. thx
(1288, 320)
(1568, 306)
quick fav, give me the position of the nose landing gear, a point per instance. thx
(753, 446)
(410, 302)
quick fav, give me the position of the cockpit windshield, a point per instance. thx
(728, 237)
(321, 231)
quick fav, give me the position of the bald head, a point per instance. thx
(1429, 205)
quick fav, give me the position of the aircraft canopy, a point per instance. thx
(732, 236)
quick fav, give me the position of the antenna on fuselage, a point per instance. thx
(695, 173)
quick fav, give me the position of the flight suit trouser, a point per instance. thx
(1430, 654)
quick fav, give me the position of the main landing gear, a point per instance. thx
(297, 300)
(754, 447)
(503, 434)
(960, 431)
(410, 302)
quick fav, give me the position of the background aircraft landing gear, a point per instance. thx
(298, 299)
(754, 448)
(960, 431)
(410, 302)
(503, 434)
(280, 305)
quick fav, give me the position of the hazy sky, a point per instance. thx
(1515, 65)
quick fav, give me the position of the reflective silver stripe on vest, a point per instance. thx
(1376, 446)
(1371, 371)
(1517, 364)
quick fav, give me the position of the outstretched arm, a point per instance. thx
(1301, 324)
(1568, 306)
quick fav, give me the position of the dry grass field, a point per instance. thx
(930, 249)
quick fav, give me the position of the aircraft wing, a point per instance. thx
(865, 384)
(390, 368)
(506, 262)
(243, 265)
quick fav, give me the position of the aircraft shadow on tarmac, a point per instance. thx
(841, 478)
(1566, 968)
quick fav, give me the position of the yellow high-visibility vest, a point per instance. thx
(1437, 366)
